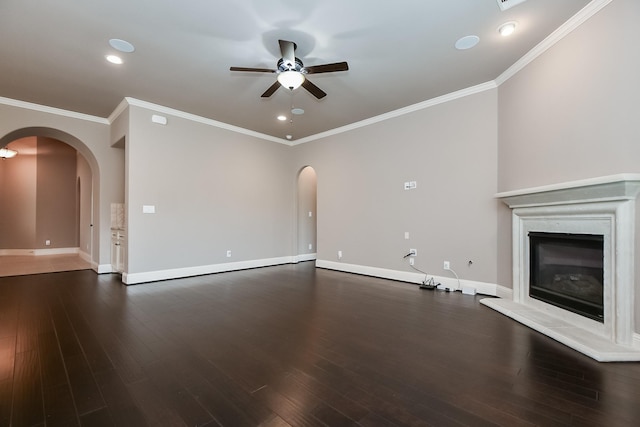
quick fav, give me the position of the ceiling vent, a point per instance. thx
(508, 4)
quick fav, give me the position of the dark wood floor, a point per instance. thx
(286, 345)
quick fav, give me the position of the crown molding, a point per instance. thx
(52, 110)
(203, 120)
(561, 32)
(401, 112)
(121, 108)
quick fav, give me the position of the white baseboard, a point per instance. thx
(304, 257)
(38, 252)
(410, 277)
(154, 276)
(383, 273)
(102, 268)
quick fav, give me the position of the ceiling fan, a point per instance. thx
(292, 72)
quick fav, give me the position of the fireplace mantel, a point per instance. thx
(612, 187)
(604, 206)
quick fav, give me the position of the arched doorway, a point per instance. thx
(306, 244)
(48, 202)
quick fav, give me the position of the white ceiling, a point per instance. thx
(399, 53)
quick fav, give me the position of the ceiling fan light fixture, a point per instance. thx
(7, 153)
(291, 79)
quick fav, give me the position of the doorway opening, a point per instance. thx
(307, 215)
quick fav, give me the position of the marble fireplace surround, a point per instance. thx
(606, 206)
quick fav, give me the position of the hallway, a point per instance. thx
(20, 265)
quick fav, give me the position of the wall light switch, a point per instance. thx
(310, 214)
(149, 209)
(310, 246)
(406, 235)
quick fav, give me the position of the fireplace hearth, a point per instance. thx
(573, 264)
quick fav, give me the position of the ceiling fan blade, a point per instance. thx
(255, 70)
(313, 89)
(327, 68)
(288, 50)
(271, 90)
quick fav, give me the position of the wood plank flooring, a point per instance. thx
(286, 346)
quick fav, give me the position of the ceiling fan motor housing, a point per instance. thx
(287, 66)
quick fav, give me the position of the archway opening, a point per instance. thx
(47, 194)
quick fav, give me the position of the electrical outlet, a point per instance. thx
(339, 254)
(413, 252)
(446, 265)
(412, 261)
(310, 246)
(47, 242)
(228, 254)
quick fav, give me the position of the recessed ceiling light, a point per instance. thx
(121, 45)
(297, 111)
(114, 59)
(467, 42)
(282, 118)
(507, 28)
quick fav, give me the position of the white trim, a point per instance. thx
(561, 32)
(401, 111)
(121, 108)
(410, 277)
(52, 110)
(203, 120)
(176, 273)
(600, 180)
(103, 268)
(304, 257)
(38, 252)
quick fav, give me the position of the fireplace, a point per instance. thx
(574, 264)
(566, 270)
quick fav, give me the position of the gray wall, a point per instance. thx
(573, 112)
(363, 210)
(213, 190)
